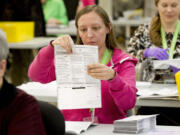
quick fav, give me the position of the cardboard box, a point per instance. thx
(18, 31)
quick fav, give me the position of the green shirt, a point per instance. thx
(55, 9)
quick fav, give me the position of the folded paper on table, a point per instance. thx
(77, 127)
(164, 64)
(153, 90)
(39, 89)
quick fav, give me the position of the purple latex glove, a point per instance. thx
(158, 53)
(175, 70)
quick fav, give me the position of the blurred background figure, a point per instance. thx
(84, 3)
(22, 10)
(54, 12)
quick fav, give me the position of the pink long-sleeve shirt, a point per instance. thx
(118, 94)
(88, 2)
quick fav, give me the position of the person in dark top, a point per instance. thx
(22, 114)
(19, 112)
(71, 6)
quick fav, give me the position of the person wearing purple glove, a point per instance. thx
(159, 39)
(157, 53)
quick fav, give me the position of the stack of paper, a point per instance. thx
(135, 124)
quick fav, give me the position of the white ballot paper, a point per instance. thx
(76, 89)
(164, 64)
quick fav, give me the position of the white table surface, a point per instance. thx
(107, 129)
(69, 29)
(130, 22)
(35, 43)
(145, 89)
(44, 92)
(161, 102)
(48, 92)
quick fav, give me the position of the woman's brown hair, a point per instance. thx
(110, 38)
(155, 26)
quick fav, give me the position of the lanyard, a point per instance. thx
(105, 59)
(173, 42)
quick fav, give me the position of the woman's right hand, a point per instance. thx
(157, 53)
(65, 42)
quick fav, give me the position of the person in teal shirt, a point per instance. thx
(54, 12)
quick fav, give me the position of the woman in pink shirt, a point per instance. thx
(88, 2)
(84, 3)
(116, 72)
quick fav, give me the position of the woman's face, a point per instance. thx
(169, 10)
(92, 29)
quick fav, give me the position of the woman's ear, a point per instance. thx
(2, 67)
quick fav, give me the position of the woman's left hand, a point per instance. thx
(100, 71)
(53, 21)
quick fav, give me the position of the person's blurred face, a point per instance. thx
(92, 29)
(43, 1)
(169, 10)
